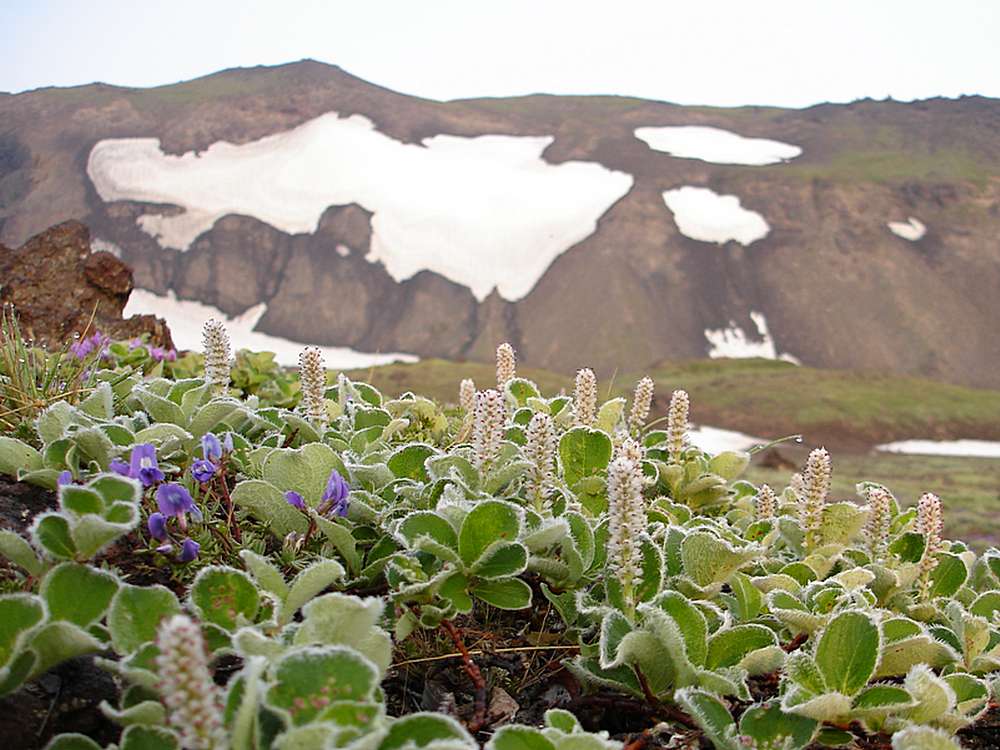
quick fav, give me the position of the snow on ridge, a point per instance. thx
(482, 211)
(912, 229)
(981, 448)
(716, 145)
(185, 318)
(704, 215)
(733, 343)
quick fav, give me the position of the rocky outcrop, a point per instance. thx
(60, 287)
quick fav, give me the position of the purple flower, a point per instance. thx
(165, 548)
(227, 443)
(84, 347)
(202, 470)
(157, 525)
(160, 354)
(119, 467)
(81, 348)
(295, 500)
(143, 465)
(135, 344)
(334, 500)
(189, 550)
(211, 448)
(174, 500)
(64, 478)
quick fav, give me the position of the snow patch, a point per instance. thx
(983, 448)
(484, 212)
(716, 440)
(733, 343)
(703, 215)
(186, 320)
(716, 145)
(99, 245)
(912, 229)
(343, 251)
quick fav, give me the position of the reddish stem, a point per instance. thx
(471, 669)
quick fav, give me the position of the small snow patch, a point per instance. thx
(105, 246)
(716, 145)
(717, 440)
(733, 342)
(703, 215)
(186, 318)
(343, 251)
(982, 448)
(911, 230)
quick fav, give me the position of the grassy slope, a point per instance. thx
(761, 397)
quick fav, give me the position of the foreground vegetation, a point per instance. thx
(267, 560)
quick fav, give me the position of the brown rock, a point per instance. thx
(59, 287)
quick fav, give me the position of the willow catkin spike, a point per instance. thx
(766, 504)
(488, 426)
(585, 397)
(467, 396)
(930, 523)
(506, 365)
(312, 376)
(879, 518)
(193, 701)
(816, 488)
(626, 521)
(215, 345)
(540, 450)
(642, 400)
(677, 425)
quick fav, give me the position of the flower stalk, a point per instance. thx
(642, 401)
(585, 398)
(930, 523)
(540, 449)
(488, 426)
(626, 523)
(677, 425)
(215, 344)
(312, 376)
(506, 365)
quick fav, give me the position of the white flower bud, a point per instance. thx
(816, 488)
(467, 396)
(488, 426)
(506, 365)
(626, 520)
(585, 397)
(930, 523)
(312, 377)
(677, 425)
(193, 701)
(641, 403)
(217, 355)
(765, 504)
(540, 449)
(879, 518)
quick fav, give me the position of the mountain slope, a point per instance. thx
(592, 266)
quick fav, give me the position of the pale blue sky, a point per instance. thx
(724, 52)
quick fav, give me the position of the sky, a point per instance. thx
(720, 52)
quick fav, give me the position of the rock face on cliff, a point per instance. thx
(59, 287)
(587, 230)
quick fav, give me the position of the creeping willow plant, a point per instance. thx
(274, 507)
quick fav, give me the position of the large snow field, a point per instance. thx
(186, 319)
(733, 343)
(716, 145)
(483, 212)
(704, 215)
(982, 448)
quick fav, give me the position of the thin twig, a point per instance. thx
(480, 652)
(471, 669)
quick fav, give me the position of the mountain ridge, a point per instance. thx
(633, 291)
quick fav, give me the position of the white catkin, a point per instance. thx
(488, 426)
(677, 425)
(215, 344)
(193, 701)
(930, 523)
(506, 365)
(467, 396)
(540, 450)
(626, 520)
(879, 518)
(312, 376)
(642, 400)
(816, 488)
(585, 397)
(766, 504)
